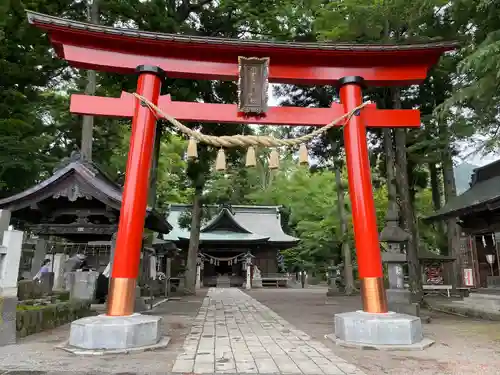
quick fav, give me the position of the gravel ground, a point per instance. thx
(463, 345)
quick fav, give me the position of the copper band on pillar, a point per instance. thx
(373, 295)
(121, 299)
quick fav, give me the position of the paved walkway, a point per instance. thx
(234, 333)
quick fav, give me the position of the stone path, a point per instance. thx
(234, 333)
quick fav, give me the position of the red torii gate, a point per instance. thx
(152, 55)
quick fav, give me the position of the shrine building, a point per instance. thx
(228, 235)
(477, 212)
(78, 206)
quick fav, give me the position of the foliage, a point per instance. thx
(171, 184)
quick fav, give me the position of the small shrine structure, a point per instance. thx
(477, 212)
(227, 238)
(79, 203)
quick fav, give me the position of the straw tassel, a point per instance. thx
(220, 162)
(303, 155)
(251, 160)
(192, 150)
(274, 160)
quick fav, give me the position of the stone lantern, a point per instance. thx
(394, 236)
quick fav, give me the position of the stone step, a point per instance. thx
(484, 301)
(476, 311)
(488, 296)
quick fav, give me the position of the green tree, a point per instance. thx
(28, 70)
(172, 185)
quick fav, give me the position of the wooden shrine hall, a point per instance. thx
(478, 214)
(78, 203)
(228, 235)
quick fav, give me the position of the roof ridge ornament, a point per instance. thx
(75, 156)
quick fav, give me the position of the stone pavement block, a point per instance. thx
(246, 367)
(204, 367)
(205, 358)
(309, 367)
(331, 369)
(261, 355)
(183, 365)
(267, 366)
(184, 356)
(287, 367)
(310, 352)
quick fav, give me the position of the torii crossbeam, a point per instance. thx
(152, 55)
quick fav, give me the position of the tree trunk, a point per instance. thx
(390, 161)
(88, 121)
(450, 191)
(435, 186)
(415, 274)
(436, 191)
(153, 174)
(194, 241)
(346, 250)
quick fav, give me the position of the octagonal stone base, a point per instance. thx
(104, 332)
(380, 331)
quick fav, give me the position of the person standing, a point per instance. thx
(45, 268)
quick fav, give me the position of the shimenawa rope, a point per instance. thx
(248, 141)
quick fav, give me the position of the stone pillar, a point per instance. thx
(10, 258)
(4, 222)
(248, 284)
(198, 276)
(39, 256)
(168, 275)
(83, 285)
(58, 261)
(152, 267)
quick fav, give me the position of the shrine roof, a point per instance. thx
(228, 236)
(428, 256)
(237, 223)
(122, 49)
(482, 196)
(76, 179)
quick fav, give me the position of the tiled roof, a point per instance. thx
(81, 173)
(251, 223)
(482, 196)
